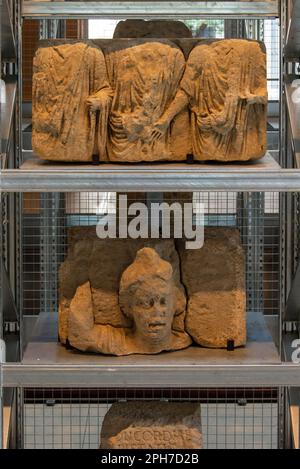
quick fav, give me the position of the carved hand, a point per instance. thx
(204, 122)
(97, 102)
(254, 98)
(257, 99)
(159, 129)
(223, 121)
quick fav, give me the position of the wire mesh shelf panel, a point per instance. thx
(49, 217)
(72, 418)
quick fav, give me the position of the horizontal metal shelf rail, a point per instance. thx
(144, 9)
(149, 180)
(43, 375)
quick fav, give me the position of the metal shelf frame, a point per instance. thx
(193, 376)
(147, 179)
(148, 9)
(180, 179)
(184, 178)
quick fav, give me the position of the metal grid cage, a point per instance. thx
(230, 418)
(47, 218)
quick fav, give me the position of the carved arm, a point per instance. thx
(180, 101)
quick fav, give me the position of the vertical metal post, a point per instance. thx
(20, 418)
(282, 262)
(287, 250)
(251, 223)
(2, 344)
(18, 201)
(282, 100)
(284, 424)
(18, 274)
(2, 253)
(2, 360)
(19, 98)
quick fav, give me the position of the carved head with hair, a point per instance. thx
(149, 296)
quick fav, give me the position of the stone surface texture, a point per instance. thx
(106, 284)
(225, 82)
(145, 78)
(214, 278)
(152, 425)
(65, 77)
(92, 292)
(131, 100)
(154, 28)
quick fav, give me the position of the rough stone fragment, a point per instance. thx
(145, 76)
(152, 425)
(168, 29)
(70, 86)
(154, 28)
(214, 278)
(209, 286)
(225, 82)
(132, 100)
(147, 296)
(101, 263)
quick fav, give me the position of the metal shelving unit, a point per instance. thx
(8, 45)
(148, 10)
(292, 54)
(32, 174)
(292, 46)
(45, 363)
(293, 114)
(6, 118)
(35, 175)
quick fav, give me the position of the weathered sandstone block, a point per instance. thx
(147, 296)
(122, 296)
(144, 424)
(225, 82)
(94, 269)
(214, 278)
(68, 80)
(131, 100)
(154, 28)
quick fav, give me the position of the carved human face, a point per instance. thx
(152, 311)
